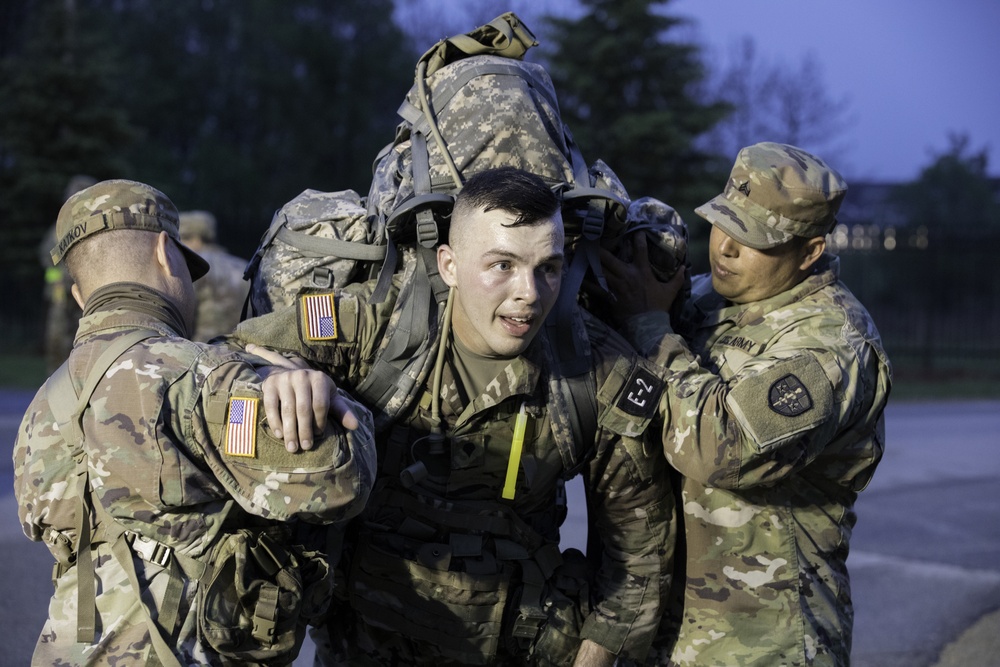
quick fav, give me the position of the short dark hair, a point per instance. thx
(512, 190)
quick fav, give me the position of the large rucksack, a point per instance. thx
(475, 104)
(463, 84)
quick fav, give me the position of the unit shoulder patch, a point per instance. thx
(789, 397)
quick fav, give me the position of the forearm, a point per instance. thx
(633, 513)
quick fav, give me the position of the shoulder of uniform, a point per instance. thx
(790, 397)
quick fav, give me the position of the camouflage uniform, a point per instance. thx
(160, 461)
(774, 419)
(444, 570)
(221, 294)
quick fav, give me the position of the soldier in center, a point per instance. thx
(456, 559)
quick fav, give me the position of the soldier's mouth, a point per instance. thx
(517, 326)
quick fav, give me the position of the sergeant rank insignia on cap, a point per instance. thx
(241, 429)
(318, 319)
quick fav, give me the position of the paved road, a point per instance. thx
(925, 558)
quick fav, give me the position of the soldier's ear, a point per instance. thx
(77, 295)
(446, 264)
(812, 250)
(169, 257)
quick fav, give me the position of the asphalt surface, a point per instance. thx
(924, 563)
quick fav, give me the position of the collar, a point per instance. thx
(129, 306)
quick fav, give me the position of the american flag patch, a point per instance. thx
(318, 317)
(241, 430)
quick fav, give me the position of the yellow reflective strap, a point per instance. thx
(516, 444)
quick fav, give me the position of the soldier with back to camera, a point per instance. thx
(147, 467)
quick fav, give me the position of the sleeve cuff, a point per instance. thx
(645, 330)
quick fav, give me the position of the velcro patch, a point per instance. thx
(241, 427)
(319, 320)
(641, 392)
(792, 397)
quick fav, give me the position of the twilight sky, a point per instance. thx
(913, 70)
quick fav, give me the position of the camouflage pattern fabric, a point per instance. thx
(285, 265)
(774, 192)
(163, 462)
(515, 101)
(775, 432)
(221, 294)
(442, 565)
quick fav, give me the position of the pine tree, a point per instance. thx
(630, 97)
(56, 120)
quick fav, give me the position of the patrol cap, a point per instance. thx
(776, 191)
(197, 225)
(120, 204)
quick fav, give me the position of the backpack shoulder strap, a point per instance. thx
(68, 407)
(572, 390)
(405, 355)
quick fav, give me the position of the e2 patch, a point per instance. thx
(640, 393)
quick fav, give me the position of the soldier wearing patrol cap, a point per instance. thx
(145, 450)
(773, 414)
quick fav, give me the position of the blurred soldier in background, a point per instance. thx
(62, 313)
(222, 292)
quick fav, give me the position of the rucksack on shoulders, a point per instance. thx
(475, 104)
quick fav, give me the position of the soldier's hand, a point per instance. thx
(634, 285)
(297, 400)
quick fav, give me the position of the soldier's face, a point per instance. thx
(506, 279)
(744, 275)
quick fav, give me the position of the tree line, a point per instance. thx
(236, 106)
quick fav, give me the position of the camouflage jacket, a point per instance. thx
(443, 558)
(159, 462)
(221, 294)
(775, 428)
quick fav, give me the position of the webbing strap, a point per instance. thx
(318, 246)
(68, 407)
(420, 163)
(386, 377)
(112, 532)
(385, 273)
(161, 650)
(86, 579)
(265, 614)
